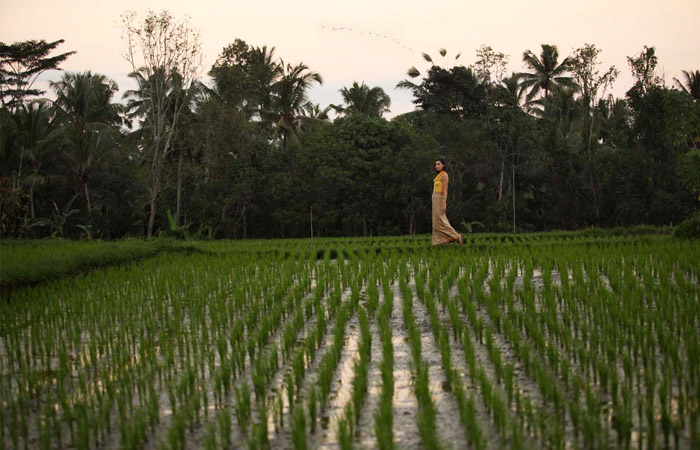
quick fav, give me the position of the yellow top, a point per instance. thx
(437, 183)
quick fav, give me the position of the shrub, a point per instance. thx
(689, 228)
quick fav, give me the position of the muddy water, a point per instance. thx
(459, 363)
(529, 388)
(526, 385)
(450, 429)
(195, 438)
(341, 390)
(405, 403)
(280, 438)
(365, 436)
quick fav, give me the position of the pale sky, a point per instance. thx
(303, 31)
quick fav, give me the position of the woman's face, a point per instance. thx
(439, 166)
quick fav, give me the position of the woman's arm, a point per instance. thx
(445, 181)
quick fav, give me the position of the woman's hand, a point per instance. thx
(443, 208)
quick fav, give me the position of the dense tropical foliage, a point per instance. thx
(246, 154)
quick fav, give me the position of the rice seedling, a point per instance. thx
(243, 406)
(299, 428)
(225, 427)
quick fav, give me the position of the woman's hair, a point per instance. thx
(444, 163)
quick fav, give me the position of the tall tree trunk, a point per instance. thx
(500, 183)
(155, 177)
(31, 200)
(589, 131)
(87, 198)
(15, 183)
(178, 200)
(513, 198)
(245, 225)
(412, 222)
(153, 197)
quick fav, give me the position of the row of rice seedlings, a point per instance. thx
(331, 358)
(306, 354)
(499, 298)
(384, 417)
(299, 353)
(465, 403)
(549, 429)
(262, 372)
(302, 357)
(426, 407)
(353, 276)
(351, 414)
(510, 424)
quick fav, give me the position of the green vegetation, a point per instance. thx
(550, 340)
(384, 418)
(689, 228)
(30, 262)
(537, 150)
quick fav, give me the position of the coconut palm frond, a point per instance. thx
(413, 72)
(546, 72)
(691, 84)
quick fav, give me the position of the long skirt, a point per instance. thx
(442, 230)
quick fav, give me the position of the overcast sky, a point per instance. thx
(379, 39)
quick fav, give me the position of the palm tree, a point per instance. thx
(361, 99)
(87, 97)
(561, 107)
(691, 85)
(10, 153)
(614, 119)
(243, 78)
(513, 87)
(88, 121)
(265, 73)
(290, 101)
(313, 117)
(136, 105)
(546, 72)
(35, 125)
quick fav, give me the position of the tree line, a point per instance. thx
(248, 155)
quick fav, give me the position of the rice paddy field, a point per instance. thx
(558, 340)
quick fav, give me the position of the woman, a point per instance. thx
(442, 230)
